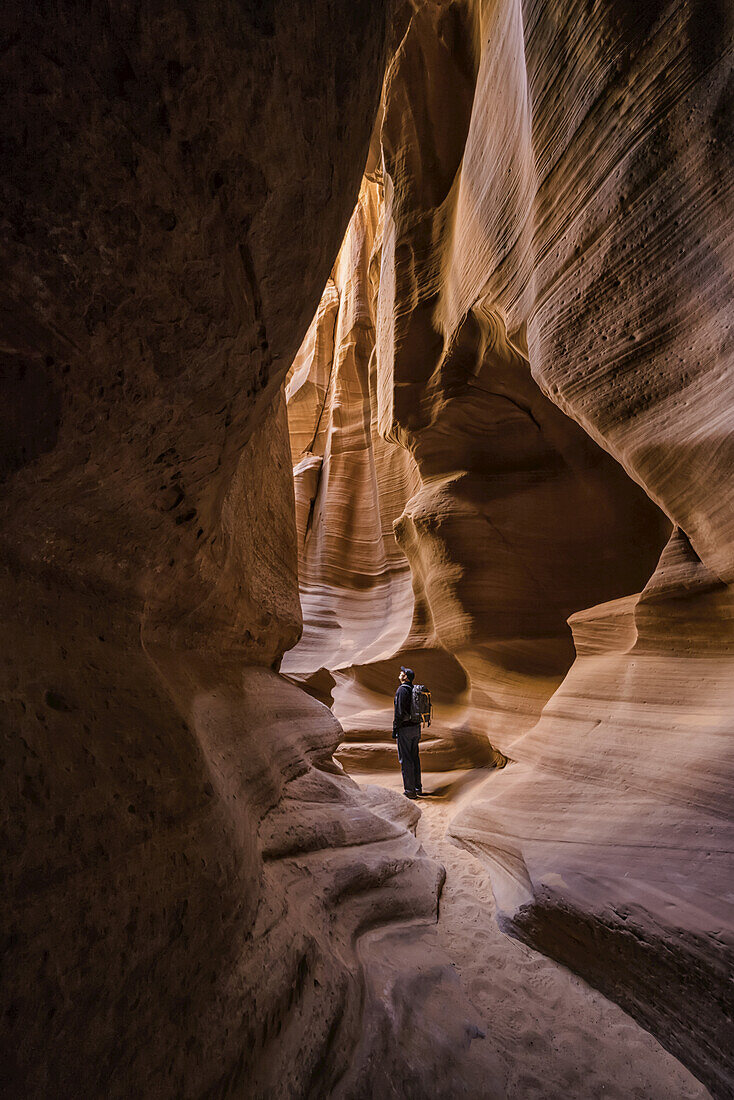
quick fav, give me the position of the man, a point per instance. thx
(407, 733)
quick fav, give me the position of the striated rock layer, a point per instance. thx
(191, 887)
(522, 359)
(355, 584)
(553, 351)
(558, 232)
(621, 795)
(364, 610)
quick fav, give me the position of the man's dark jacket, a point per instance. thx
(403, 698)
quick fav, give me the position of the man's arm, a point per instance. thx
(402, 708)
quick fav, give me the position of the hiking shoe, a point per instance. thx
(410, 794)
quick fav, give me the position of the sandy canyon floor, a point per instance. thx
(558, 1037)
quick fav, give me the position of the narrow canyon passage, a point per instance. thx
(338, 336)
(554, 1035)
(497, 484)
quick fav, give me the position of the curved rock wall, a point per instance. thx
(574, 244)
(355, 584)
(182, 910)
(365, 606)
(551, 310)
(552, 349)
(621, 795)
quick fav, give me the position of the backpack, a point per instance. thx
(421, 708)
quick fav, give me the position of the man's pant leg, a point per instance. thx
(415, 749)
(406, 756)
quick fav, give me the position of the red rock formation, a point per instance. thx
(362, 614)
(186, 909)
(621, 797)
(552, 350)
(183, 913)
(355, 584)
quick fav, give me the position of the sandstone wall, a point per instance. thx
(182, 910)
(185, 909)
(552, 333)
(365, 606)
(557, 236)
(355, 584)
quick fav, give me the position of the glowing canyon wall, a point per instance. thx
(521, 362)
(553, 351)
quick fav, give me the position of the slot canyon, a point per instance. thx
(340, 336)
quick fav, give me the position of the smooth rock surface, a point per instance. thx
(355, 584)
(553, 350)
(576, 209)
(189, 881)
(574, 1041)
(512, 410)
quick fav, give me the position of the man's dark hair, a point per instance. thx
(408, 672)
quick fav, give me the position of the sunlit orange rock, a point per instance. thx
(552, 350)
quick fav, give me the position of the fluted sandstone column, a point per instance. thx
(558, 232)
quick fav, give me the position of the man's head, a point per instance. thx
(406, 675)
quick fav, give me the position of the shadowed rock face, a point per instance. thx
(535, 520)
(553, 351)
(183, 913)
(150, 164)
(630, 887)
(196, 901)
